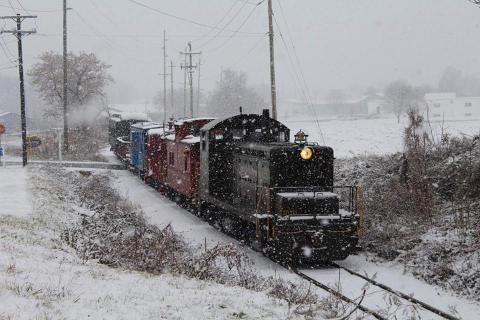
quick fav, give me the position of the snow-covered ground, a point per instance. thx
(161, 211)
(371, 136)
(42, 278)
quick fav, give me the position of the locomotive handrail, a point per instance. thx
(352, 193)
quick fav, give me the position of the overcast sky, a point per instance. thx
(340, 44)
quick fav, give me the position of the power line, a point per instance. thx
(8, 54)
(109, 42)
(238, 29)
(221, 20)
(96, 31)
(225, 26)
(27, 11)
(182, 18)
(247, 54)
(31, 10)
(300, 78)
(11, 7)
(146, 35)
(98, 10)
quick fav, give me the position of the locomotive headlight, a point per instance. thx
(306, 153)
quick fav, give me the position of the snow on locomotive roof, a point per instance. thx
(191, 139)
(159, 131)
(146, 125)
(125, 116)
(170, 137)
(179, 122)
(318, 195)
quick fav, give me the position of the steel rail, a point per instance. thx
(338, 294)
(398, 293)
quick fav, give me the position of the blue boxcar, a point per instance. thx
(138, 135)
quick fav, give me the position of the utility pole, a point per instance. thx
(19, 33)
(164, 79)
(65, 79)
(171, 87)
(198, 86)
(184, 85)
(272, 61)
(189, 69)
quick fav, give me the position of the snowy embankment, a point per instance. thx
(42, 277)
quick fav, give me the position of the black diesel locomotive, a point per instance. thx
(279, 194)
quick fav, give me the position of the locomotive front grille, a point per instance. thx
(306, 205)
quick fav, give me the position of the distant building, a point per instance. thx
(11, 121)
(447, 106)
(364, 106)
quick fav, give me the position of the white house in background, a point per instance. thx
(447, 106)
(365, 106)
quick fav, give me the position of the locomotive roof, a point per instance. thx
(241, 120)
(269, 147)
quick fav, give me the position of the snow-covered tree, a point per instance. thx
(87, 78)
(402, 97)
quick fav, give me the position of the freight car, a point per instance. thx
(139, 155)
(119, 133)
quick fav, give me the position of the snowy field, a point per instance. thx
(348, 137)
(371, 136)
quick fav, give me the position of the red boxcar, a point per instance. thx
(156, 152)
(177, 162)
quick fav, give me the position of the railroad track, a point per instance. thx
(400, 294)
(339, 295)
(343, 297)
(367, 310)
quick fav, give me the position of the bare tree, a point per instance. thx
(402, 97)
(231, 93)
(87, 78)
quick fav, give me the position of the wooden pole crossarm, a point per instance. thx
(16, 17)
